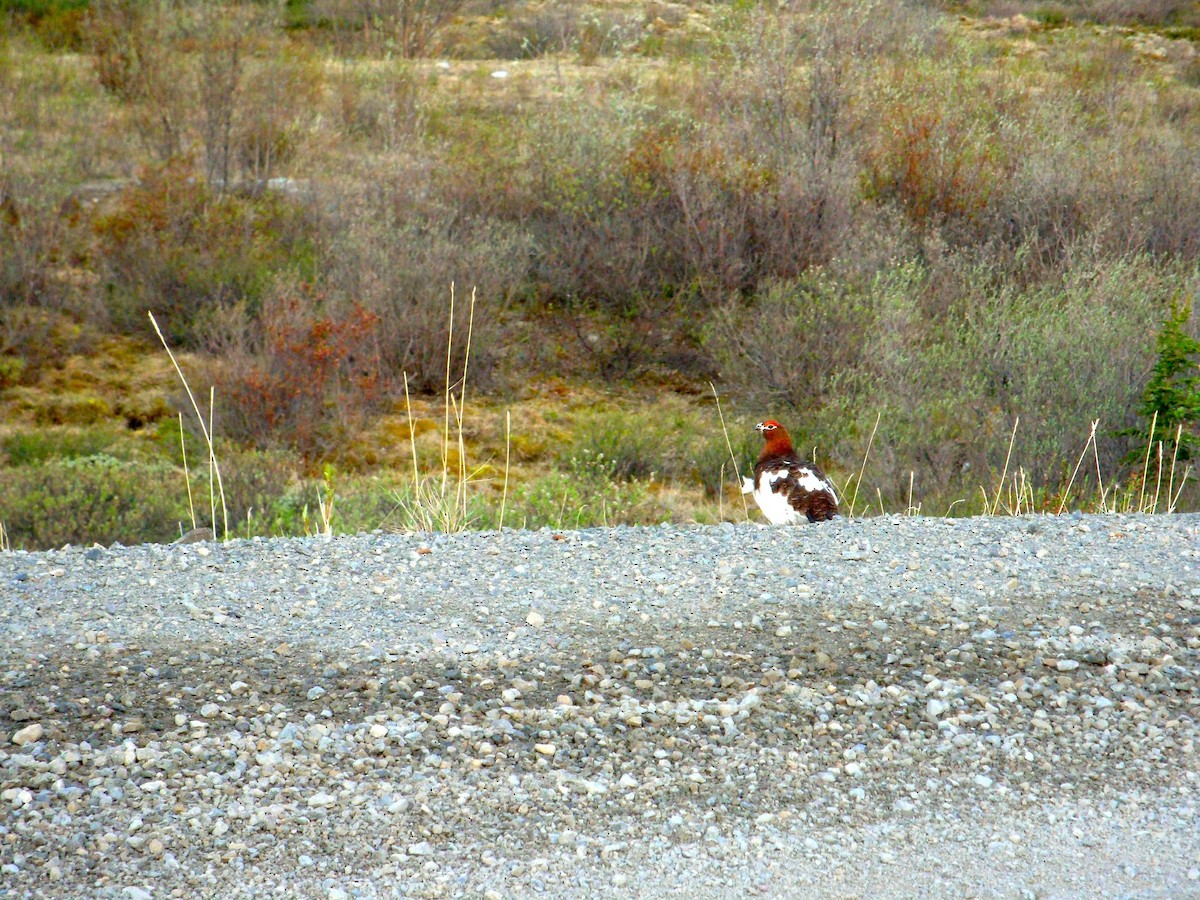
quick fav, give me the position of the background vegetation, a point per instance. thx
(941, 216)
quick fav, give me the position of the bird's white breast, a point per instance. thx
(775, 506)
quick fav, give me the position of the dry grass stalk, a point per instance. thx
(863, 468)
(325, 505)
(214, 468)
(736, 471)
(507, 458)
(1070, 482)
(1004, 473)
(1172, 495)
(1099, 477)
(442, 502)
(1146, 462)
(187, 478)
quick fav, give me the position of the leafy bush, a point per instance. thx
(401, 270)
(586, 495)
(299, 375)
(632, 446)
(795, 344)
(173, 246)
(1171, 400)
(94, 499)
(35, 448)
(714, 469)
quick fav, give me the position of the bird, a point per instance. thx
(788, 490)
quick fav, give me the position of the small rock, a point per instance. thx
(195, 536)
(321, 799)
(424, 848)
(983, 781)
(29, 734)
(315, 692)
(1067, 665)
(536, 619)
(209, 710)
(545, 749)
(378, 731)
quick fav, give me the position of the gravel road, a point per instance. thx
(890, 707)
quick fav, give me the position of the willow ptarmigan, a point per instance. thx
(787, 489)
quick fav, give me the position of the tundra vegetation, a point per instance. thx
(954, 246)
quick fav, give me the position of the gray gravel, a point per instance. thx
(986, 707)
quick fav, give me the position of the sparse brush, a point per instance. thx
(737, 472)
(862, 469)
(215, 483)
(444, 499)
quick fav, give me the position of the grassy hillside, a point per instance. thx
(900, 227)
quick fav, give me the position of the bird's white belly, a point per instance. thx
(775, 506)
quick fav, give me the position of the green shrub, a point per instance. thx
(175, 247)
(300, 375)
(95, 499)
(713, 467)
(587, 494)
(631, 445)
(33, 448)
(790, 347)
(82, 408)
(1171, 400)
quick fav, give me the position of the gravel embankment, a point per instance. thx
(987, 707)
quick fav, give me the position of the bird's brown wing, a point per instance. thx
(807, 490)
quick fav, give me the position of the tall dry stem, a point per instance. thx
(729, 446)
(187, 478)
(863, 467)
(507, 457)
(1067, 493)
(1146, 462)
(214, 468)
(1004, 474)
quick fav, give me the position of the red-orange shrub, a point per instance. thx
(299, 376)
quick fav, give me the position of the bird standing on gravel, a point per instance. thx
(787, 489)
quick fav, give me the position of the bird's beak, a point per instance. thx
(758, 427)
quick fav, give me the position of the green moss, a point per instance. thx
(72, 409)
(93, 499)
(30, 448)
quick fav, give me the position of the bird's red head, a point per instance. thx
(778, 441)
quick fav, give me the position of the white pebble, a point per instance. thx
(29, 734)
